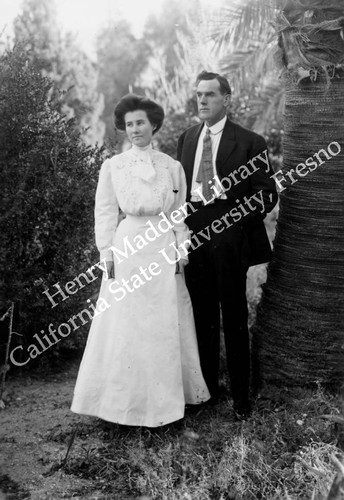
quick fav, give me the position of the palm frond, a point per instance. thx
(243, 22)
(310, 46)
(244, 41)
(247, 67)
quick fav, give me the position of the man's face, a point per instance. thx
(211, 103)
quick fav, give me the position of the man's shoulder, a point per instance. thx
(191, 130)
(243, 133)
(239, 130)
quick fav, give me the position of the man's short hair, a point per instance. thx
(208, 75)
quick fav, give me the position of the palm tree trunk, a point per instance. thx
(298, 337)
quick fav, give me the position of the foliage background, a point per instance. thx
(49, 178)
(56, 128)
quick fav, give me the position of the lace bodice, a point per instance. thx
(140, 182)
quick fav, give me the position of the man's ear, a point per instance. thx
(227, 99)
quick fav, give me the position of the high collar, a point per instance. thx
(143, 167)
(218, 126)
(137, 149)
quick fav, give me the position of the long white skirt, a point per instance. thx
(141, 363)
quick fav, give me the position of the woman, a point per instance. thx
(141, 364)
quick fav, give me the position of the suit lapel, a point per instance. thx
(190, 146)
(226, 146)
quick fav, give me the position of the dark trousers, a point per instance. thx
(216, 278)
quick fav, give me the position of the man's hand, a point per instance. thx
(180, 265)
(110, 269)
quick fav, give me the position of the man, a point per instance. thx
(230, 191)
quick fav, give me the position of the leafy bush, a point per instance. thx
(174, 125)
(49, 178)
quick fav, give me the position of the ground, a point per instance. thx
(37, 413)
(286, 447)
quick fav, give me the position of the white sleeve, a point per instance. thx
(106, 212)
(180, 229)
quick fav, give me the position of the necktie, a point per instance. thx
(206, 172)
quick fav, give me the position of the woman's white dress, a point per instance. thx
(141, 363)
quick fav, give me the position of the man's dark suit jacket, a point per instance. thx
(237, 146)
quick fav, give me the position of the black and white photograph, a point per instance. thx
(172, 257)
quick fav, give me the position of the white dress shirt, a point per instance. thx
(215, 136)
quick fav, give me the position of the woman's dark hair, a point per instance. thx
(133, 102)
(224, 85)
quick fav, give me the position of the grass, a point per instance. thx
(284, 451)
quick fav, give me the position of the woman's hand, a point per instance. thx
(109, 269)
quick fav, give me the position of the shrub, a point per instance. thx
(49, 178)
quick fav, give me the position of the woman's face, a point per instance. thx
(138, 128)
